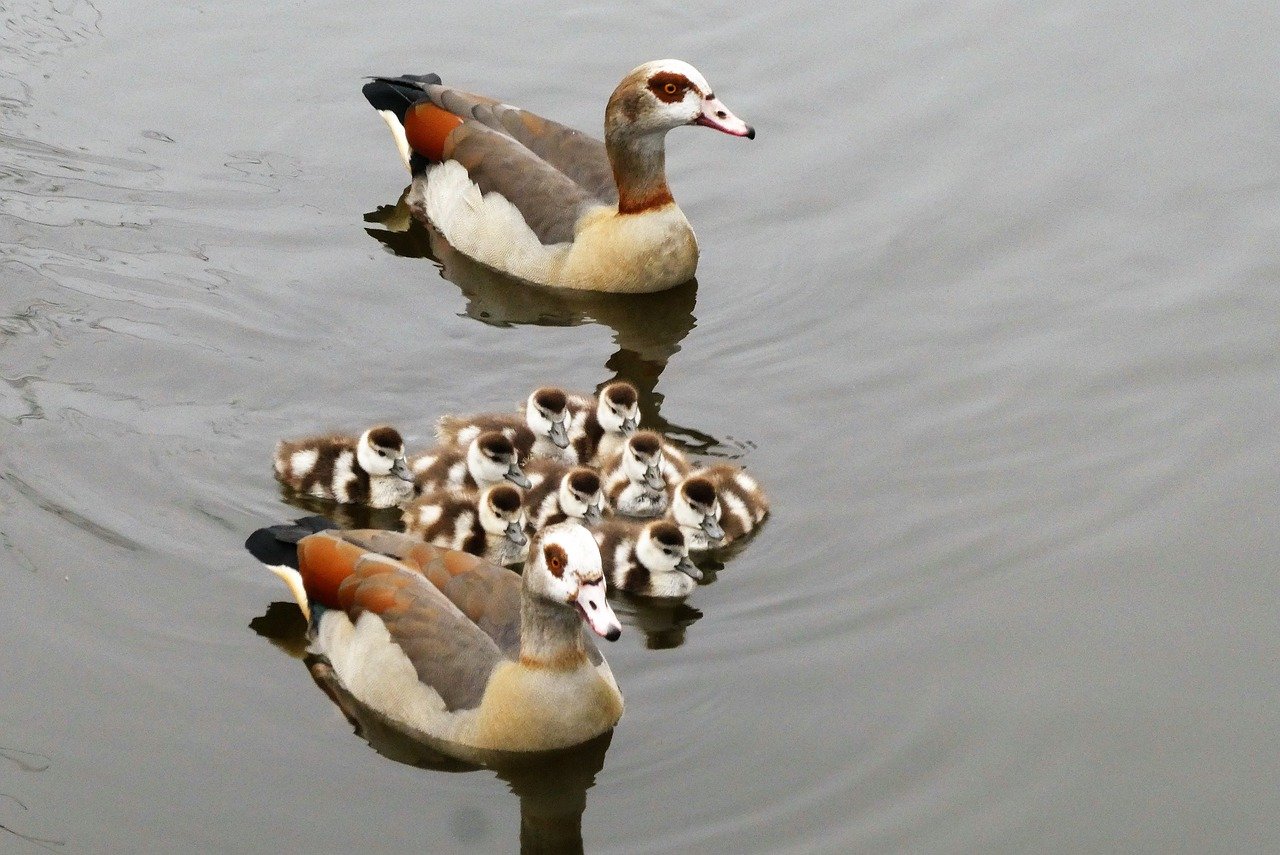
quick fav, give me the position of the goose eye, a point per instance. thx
(381, 453)
(670, 88)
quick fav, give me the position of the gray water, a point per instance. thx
(989, 306)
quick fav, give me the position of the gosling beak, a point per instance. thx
(687, 567)
(653, 479)
(593, 515)
(716, 115)
(515, 533)
(400, 469)
(629, 425)
(515, 476)
(559, 434)
(711, 528)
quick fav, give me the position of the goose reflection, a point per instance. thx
(647, 328)
(551, 786)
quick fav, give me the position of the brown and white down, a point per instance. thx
(743, 504)
(599, 425)
(455, 650)
(490, 524)
(638, 479)
(367, 470)
(540, 430)
(546, 203)
(561, 492)
(650, 558)
(488, 459)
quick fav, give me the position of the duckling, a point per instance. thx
(600, 426)
(743, 504)
(696, 509)
(489, 459)
(561, 492)
(369, 469)
(638, 478)
(489, 524)
(646, 558)
(541, 429)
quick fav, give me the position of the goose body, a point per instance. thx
(369, 469)
(638, 479)
(455, 650)
(600, 425)
(562, 492)
(546, 203)
(489, 524)
(490, 458)
(743, 503)
(650, 559)
(540, 430)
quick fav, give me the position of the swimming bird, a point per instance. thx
(546, 203)
(695, 507)
(743, 503)
(561, 492)
(490, 523)
(638, 478)
(599, 426)
(540, 430)
(369, 469)
(488, 459)
(451, 649)
(651, 558)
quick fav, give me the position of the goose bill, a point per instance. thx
(595, 610)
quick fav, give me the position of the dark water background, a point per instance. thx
(990, 306)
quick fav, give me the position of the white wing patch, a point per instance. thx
(462, 528)
(737, 508)
(428, 515)
(457, 474)
(302, 462)
(423, 463)
(343, 476)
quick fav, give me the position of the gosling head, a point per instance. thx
(380, 451)
(661, 549)
(546, 413)
(642, 460)
(502, 513)
(491, 458)
(696, 507)
(581, 495)
(618, 410)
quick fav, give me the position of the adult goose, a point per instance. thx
(546, 203)
(469, 656)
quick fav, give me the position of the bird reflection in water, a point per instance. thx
(647, 328)
(552, 786)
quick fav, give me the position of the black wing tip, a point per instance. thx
(278, 544)
(397, 94)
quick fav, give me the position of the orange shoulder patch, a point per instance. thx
(427, 127)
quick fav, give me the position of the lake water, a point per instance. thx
(990, 306)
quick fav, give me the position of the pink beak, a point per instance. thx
(716, 115)
(596, 611)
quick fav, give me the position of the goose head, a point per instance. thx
(661, 549)
(502, 513)
(564, 568)
(618, 409)
(581, 495)
(666, 94)
(491, 459)
(546, 413)
(696, 507)
(380, 451)
(642, 460)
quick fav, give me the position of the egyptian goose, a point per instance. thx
(743, 504)
(451, 649)
(561, 492)
(369, 469)
(639, 477)
(650, 559)
(490, 523)
(488, 459)
(599, 426)
(696, 509)
(542, 429)
(548, 204)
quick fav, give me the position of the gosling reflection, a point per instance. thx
(647, 328)
(552, 786)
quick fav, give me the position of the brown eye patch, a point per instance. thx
(557, 559)
(669, 86)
